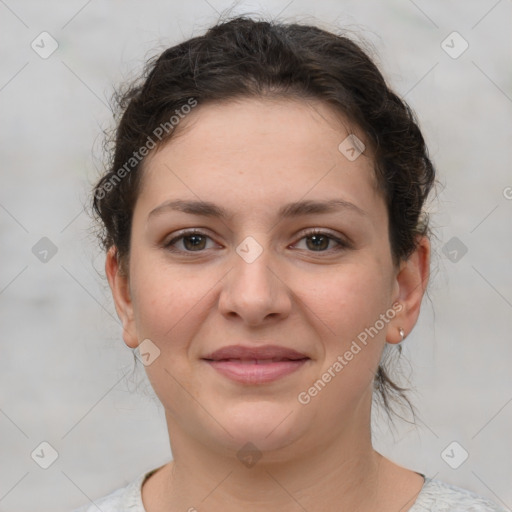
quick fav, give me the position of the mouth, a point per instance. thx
(256, 365)
(256, 361)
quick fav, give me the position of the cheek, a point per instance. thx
(347, 299)
(171, 302)
(168, 305)
(350, 301)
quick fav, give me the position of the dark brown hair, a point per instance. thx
(243, 57)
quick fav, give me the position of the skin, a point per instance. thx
(252, 156)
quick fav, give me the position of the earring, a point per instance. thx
(401, 332)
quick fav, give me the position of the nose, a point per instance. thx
(254, 291)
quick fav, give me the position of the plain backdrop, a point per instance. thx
(66, 377)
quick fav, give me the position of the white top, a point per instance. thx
(435, 496)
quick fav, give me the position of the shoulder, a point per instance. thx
(124, 499)
(438, 496)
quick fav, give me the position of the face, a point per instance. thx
(274, 269)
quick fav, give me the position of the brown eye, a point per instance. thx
(192, 241)
(320, 241)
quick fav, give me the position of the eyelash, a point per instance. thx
(342, 245)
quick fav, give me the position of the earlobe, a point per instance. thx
(411, 281)
(120, 288)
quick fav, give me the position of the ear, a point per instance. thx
(411, 283)
(120, 287)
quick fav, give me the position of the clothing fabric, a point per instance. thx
(435, 496)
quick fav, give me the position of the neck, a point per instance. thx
(343, 472)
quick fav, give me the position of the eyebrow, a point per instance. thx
(296, 209)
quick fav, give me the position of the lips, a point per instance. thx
(255, 365)
(255, 355)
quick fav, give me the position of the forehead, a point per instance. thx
(260, 149)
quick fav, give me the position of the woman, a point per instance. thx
(265, 237)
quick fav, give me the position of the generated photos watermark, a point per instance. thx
(137, 156)
(305, 397)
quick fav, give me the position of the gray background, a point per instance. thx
(62, 360)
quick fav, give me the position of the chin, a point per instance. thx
(267, 425)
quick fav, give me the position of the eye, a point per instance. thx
(192, 241)
(196, 241)
(319, 241)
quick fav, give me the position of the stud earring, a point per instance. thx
(402, 334)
